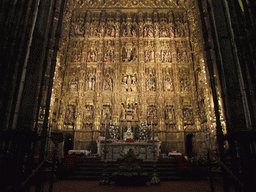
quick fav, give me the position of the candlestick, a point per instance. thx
(105, 145)
(121, 136)
(152, 133)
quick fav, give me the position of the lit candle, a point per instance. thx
(152, 131)
(105, 130)
(121, 136)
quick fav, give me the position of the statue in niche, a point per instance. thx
(124, 84)
(135, 112)
(176, 31)
(94, 32)
(150, 32)
(129, 54)
(179, 32)
(102, 32)
(166, 56)
(178, 56)
(73, 85)
(113, 32)
(124, 54)
(133, 85)
(70, 112)
(106, 113)
(182, 85)
(147, 56)
(187, 114)
(89, 56)
(164, 32)
(145, 31)
(170, 114)
(150, 84)
(168, 84)
(187, 85)
(134, 34)
(171, 30)
(152, 55)
(109, 56)
(156, 31)
(129, 81)
(88, 112)
(118, 31)
(108, 84)
(186, 29)
(91, 83)
(125, 33)
(92, 56)
(123, 112)
(184, 56)
(108, 32)
(129, 111)
(129, 30)
(151, 113)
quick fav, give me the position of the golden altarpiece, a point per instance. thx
(132, 61)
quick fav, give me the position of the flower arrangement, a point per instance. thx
(143, 131)
(113, 130)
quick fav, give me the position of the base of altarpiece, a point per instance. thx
(117, 150)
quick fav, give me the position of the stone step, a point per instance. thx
(92, 169)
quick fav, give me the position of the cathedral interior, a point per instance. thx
(75, 67)
(134, 65)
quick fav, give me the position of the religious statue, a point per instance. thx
(91, 84)
(150, 32)
(184, 57)
(134, 34)
(117, 31)
(168, 84)
(171, 31)
(122, 116)
(133, 85)
(171, 114)
(145, 32)
(150, 84)
(113, 32)
(109, 56)
(108, 84)
(156, 31)
(188, 114)
(128, 134)
(89, 57)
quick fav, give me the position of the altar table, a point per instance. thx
(117, 150)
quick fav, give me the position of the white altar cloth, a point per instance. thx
(118, 149)
(86, 152)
